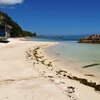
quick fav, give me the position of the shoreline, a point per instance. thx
(28, 73)
(60, 72)
(42, 60)
(71, 65)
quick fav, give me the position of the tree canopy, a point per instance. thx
(15, 29)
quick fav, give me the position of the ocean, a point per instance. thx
(69, 49)
(57, 38)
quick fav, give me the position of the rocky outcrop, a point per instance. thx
(91, 39)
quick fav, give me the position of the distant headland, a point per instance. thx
(15, 29)
(91, 39)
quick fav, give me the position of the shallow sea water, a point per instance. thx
(81, 54)
(78, 53)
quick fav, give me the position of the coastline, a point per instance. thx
(28, 72)
(71, 66)
(62, 73)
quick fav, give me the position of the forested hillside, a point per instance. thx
(15, 29)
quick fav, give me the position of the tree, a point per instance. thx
(16, 30)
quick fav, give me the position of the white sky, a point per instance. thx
(10, 2)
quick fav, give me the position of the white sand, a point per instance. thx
(20, 79)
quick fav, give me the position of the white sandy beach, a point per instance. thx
(27, 73)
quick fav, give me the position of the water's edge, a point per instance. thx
(67, 61)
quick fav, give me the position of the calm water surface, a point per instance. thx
(78, 53)
(74, 52)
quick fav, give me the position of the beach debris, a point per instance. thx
(70, 89)
(64, 73)
(43, 62)
(62, 82)
(86, 82)
(50, 76)
(60, 72)
(49, 64)
(91, 65)
(89, 75)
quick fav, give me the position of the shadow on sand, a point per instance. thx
(4, 41)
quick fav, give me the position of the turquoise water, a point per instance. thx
(56, 38)
(78, 53)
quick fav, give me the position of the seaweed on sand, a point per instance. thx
(86, 82)
(91, 65)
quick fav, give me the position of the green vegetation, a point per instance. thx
(15, 29)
